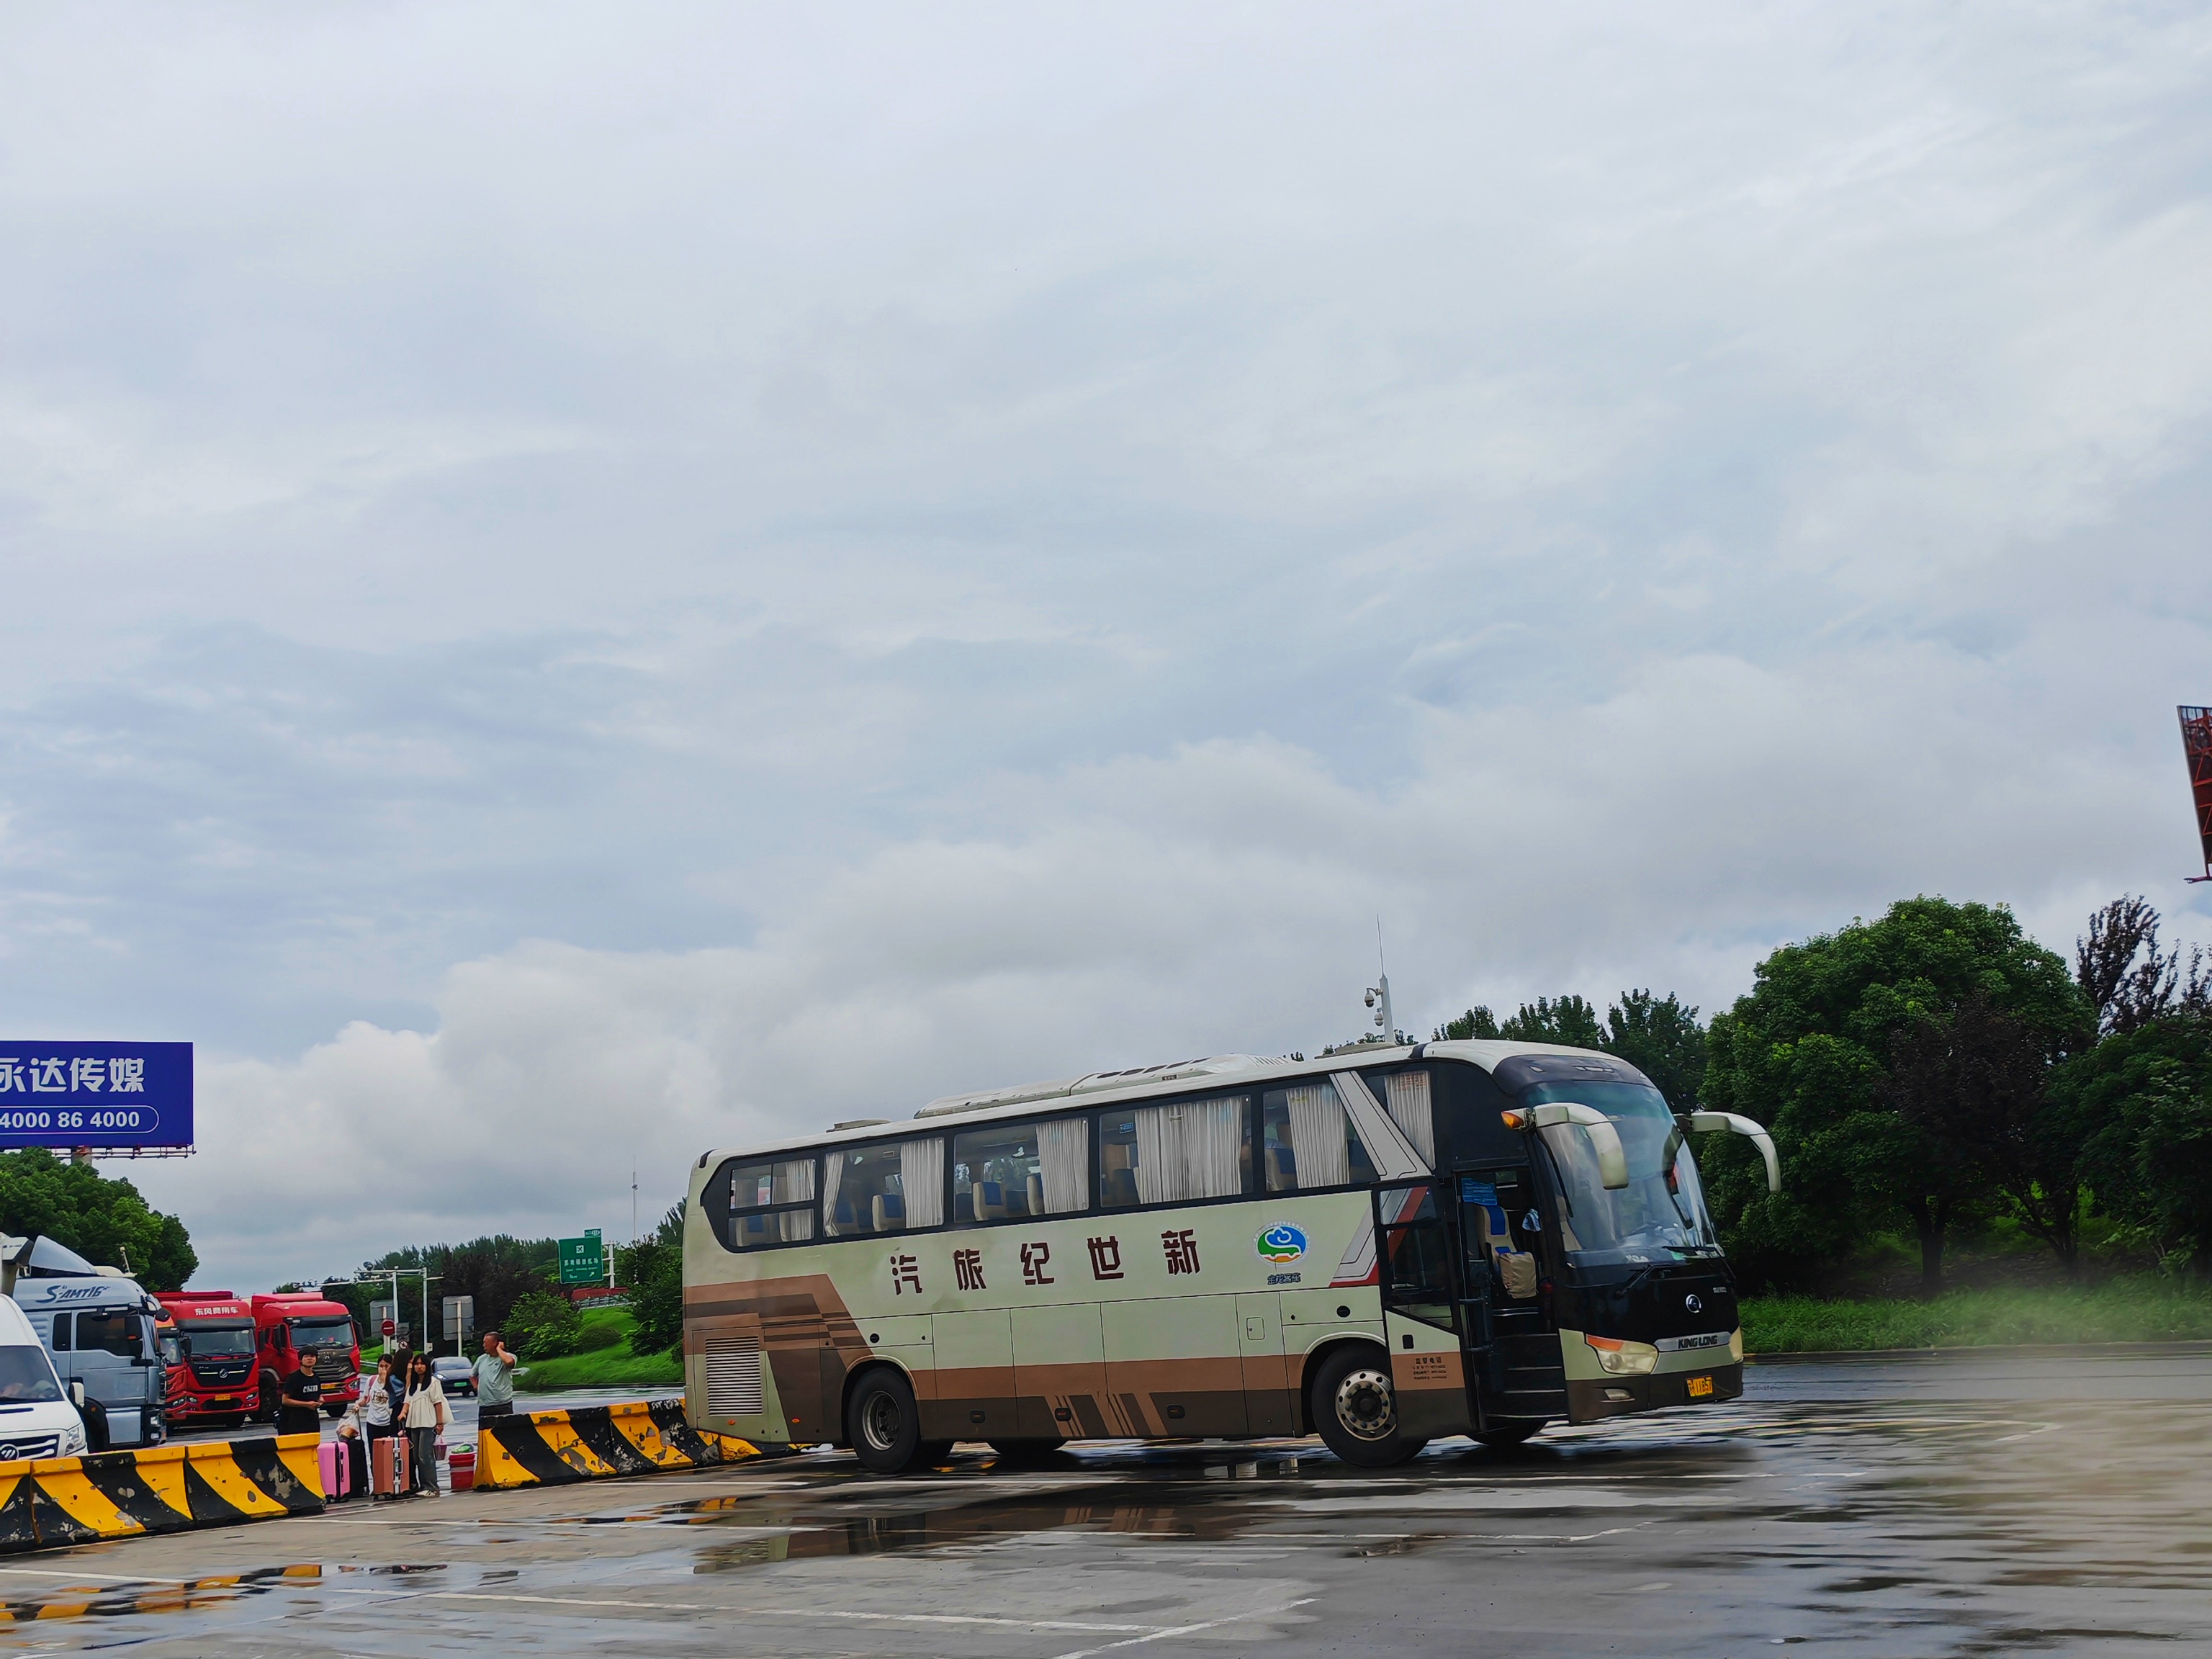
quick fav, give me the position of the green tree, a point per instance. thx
(1974, 1083)
(105, 1222)
(652, 1270)
(1570, 1022)
(544, 1324)
(1475, 1023)
(1662, 1038)
(2140, 1104)
(1808, 1053)
(496, 1271)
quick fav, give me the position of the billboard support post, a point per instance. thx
(2196, 749)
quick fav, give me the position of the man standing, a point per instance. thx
(301, 1400)
(494, 1379)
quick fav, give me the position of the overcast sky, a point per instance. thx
(584, 581)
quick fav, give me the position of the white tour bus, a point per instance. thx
(1385, 1246)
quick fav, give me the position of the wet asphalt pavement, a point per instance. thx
(1998, 1505)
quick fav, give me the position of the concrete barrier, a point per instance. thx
(53, 1501)
(591, 1442)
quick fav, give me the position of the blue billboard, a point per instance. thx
(95, 1094)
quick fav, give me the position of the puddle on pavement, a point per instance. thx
(121, 1601)
(1193, 1500)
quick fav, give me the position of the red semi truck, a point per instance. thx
(288, 1323)
(209, 1345)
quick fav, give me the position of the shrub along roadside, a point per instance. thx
(2144, 1309)
(603, 1361)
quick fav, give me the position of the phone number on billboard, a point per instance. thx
(123, 1117)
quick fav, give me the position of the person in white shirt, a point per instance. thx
(423, 1413)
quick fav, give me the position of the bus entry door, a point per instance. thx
(1508, 1338)
(1421, 1323)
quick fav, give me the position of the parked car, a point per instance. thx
(454, 1374)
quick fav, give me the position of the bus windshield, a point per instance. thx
(1660, 1215)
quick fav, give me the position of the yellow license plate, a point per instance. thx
(1701, 1387)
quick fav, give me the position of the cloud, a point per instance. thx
(735, 568)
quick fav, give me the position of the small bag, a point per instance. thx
(387, 1466)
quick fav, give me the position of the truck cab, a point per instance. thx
(98, 1328)
(288, 1323)
(212, 1369)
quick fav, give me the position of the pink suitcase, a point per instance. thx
(337, 1469)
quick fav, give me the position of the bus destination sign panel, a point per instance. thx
(95, 1094)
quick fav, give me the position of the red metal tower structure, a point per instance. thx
(2197, 744)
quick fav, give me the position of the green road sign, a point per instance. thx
(582, 1261)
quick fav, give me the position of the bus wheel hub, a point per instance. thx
(880, 1421)
(1364, 1405)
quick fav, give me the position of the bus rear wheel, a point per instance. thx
(884, 1425)
(1356, 1408)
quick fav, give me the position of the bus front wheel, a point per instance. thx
(1356, 1408)
(884, 1425)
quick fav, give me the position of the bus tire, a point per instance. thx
(1505, 1435)
(271, 1400)
(1355, 1406)
(883, 1424)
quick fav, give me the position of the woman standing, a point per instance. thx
(423, 1415)
(371, 1419)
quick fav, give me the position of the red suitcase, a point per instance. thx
(387, 1466)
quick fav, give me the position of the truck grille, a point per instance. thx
(35, 1446)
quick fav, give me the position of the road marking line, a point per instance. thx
(765, 1613)
(1187, 1630)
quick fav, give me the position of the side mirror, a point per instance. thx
(76, 1395)
(1731, 1124)
(1611, 1159)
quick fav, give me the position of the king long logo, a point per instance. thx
(1281, 1243)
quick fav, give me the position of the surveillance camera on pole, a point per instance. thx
(1378, 998)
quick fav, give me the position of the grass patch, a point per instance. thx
(605, 1363)
(2133, 1309)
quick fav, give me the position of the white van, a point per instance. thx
(36, 1417)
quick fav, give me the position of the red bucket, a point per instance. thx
(461, 1469)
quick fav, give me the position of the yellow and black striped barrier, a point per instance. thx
(589, 1442)
(53, 1501)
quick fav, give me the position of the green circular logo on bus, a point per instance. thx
(1281, 1243)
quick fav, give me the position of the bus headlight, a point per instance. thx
(1623, 1358)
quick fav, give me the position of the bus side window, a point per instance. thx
(61, 1342)
(1310, 1142)
(1177, 1153)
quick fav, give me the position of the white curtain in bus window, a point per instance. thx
(1408, 1102)
(1064, 1164)
(832, 1186)
(1318, 1153)
(1195, 1150)
(794, 1184)
(921, 1173)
